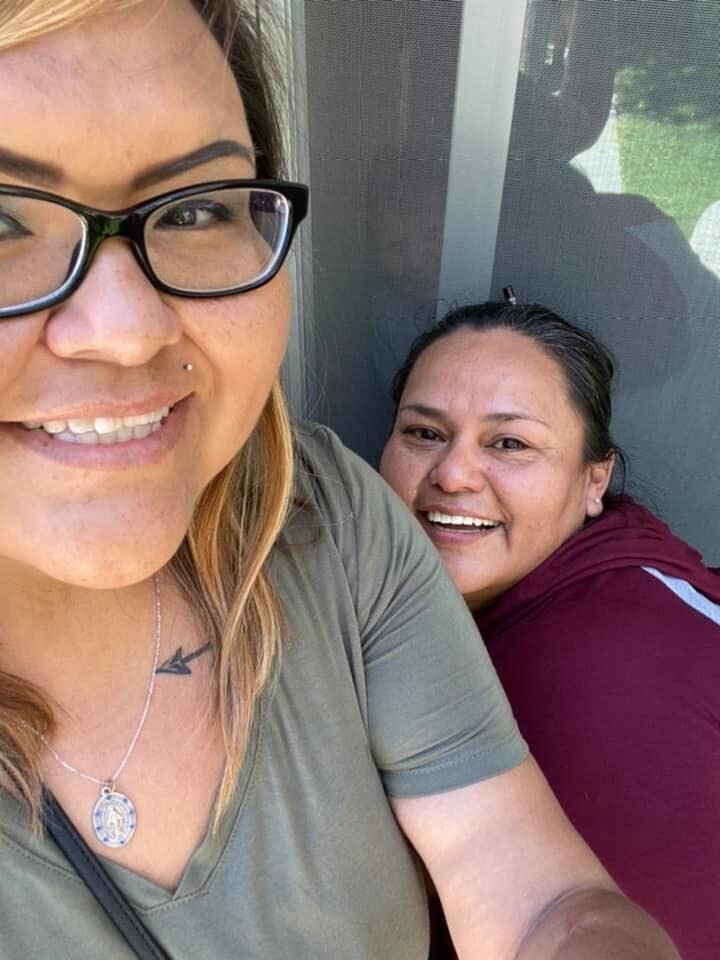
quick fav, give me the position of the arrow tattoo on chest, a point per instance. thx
(177, 664)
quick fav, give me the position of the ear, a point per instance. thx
(598, 480)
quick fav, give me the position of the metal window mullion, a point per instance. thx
(489, 60)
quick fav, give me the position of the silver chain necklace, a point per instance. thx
(114, 818)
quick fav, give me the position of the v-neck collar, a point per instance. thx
(145, 895)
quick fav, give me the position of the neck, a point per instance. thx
(73, 643)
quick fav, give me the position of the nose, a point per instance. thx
(115, 316)
(458, 470)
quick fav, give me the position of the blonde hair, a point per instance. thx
(222, 565)
(22, 20)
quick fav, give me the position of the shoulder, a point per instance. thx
(340, 486)
(604, 639)
(621, 605)
(323, 458)
(326, 470)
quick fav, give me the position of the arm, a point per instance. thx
(516, 880)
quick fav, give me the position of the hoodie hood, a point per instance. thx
(625, 535)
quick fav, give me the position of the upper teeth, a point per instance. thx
(99, 425)
(458, 520)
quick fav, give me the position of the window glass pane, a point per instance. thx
(611, 215)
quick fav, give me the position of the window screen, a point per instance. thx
(380, 90)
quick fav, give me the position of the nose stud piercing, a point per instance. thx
(188, 367)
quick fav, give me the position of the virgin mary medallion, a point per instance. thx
(114, 818)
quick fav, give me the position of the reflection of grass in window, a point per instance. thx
(669, 138)
(673, 165)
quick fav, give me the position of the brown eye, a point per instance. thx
(422, 433)
(196, 213)
(509, 443)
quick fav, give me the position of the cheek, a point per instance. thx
(244, 331)
(18, 338)
(241, 341)
(545, 505)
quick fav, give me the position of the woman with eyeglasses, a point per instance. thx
(228, 728)
(603, 626)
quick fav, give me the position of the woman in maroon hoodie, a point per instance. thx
(603, 626)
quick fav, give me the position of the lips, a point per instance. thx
(128, 446)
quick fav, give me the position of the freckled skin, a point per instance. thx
(151, 87)
(525, 473)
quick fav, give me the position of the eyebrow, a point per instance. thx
(171, 168)
(501, 416)
(27, 168)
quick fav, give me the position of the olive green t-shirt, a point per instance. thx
(384, 689)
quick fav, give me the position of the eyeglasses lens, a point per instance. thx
(219, 240)
(206, 243)
(39, 244)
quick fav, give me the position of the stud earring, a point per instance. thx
(597, 499)
(188, 367)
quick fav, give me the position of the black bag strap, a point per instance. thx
(98, 881)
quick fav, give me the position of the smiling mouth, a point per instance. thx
(104, 431)
(458, 522)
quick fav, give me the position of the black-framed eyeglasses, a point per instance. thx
(207, 240)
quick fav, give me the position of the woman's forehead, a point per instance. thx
(475, 355)
(123, 90)
(481, 372)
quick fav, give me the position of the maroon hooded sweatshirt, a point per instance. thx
(615, 683)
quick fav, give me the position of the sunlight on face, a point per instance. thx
(95, 110)
(487, 452)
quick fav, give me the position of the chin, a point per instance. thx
(106, 556)
(108, 568)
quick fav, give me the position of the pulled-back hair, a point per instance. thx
(221, 566)
(587, 365)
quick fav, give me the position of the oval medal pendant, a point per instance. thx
(114, 818)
